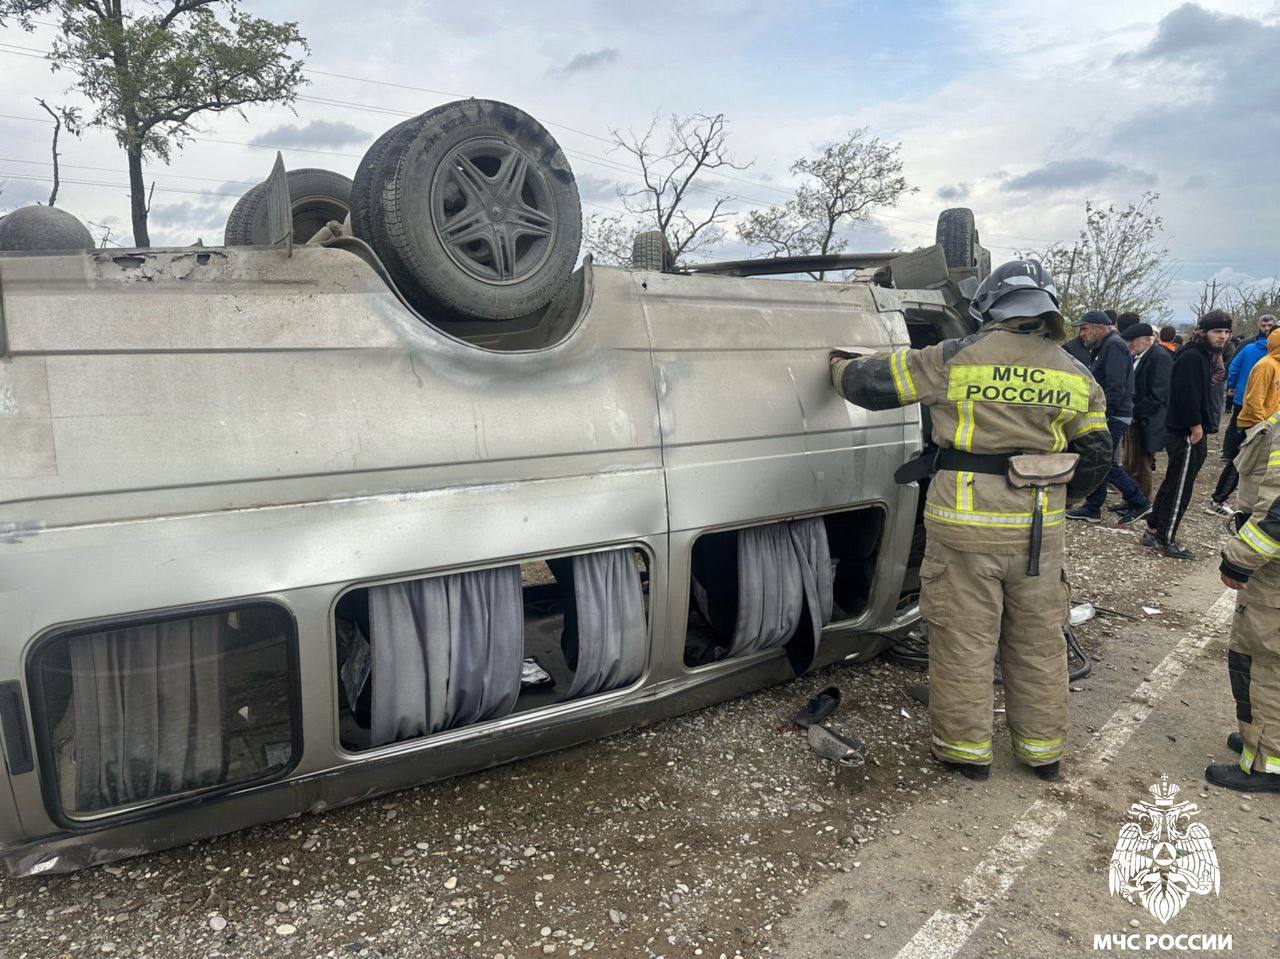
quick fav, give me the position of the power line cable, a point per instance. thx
(590, 158)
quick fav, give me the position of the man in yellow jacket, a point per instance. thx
(1262, 390)
(1251, 565)
(992, 574)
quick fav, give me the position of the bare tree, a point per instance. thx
(1244, 300)
(608, 237)
(68, 117)
(671, 160)
(844, 184)
(150, 67)
(1120, 261)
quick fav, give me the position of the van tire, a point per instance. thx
(958, 238)
(516, 242)
(651, 251)
(315, 196)
(367, 221)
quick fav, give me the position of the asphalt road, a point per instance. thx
(1010, 868)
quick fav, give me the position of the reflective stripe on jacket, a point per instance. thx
(1258, 542)
(1007, 388)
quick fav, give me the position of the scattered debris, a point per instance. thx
(829, 744)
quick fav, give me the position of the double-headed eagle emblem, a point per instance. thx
(1163, 857)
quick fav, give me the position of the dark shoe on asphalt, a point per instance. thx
(1235, 742)
(1219, 509)
(1086, 514)
(1050, 773)
(1148, 539)
(819, 708)
(1231, 776)
(1133, 513)
(1177, 551)
(978, 774)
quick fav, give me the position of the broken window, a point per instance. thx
(136, 713)
(426, 655)
(776, 585)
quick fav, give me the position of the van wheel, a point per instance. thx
(651, 251)
(316, 197)
(481, 211)
(958, 238)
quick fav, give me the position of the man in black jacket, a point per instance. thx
(1187, 425)
(1151, 368)
(1077, 348)
(1113, 369)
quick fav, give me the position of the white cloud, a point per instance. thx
(1031, 89)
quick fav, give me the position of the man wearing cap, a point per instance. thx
(992, 576)
(1151, 369)
(1242, 365)
(1113, 369)
(1187, 426)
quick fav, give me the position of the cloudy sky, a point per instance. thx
(1021, 111)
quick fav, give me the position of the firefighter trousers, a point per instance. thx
(1253, 664)
(976, 604)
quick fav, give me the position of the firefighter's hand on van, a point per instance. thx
(838, 355)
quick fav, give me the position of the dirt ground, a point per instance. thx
(719, 834)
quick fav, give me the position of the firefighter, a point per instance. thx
(992, 575)
(1251, 565)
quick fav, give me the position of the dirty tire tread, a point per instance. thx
(651, 251)
(239, 229)
(957, 236)
(368, 221)
(431, 281)
(247, 224)
(366, 186)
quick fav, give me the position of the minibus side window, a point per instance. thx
(426, 655)
(757, 587)
(135, 713)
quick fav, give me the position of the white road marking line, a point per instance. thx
(946, 932)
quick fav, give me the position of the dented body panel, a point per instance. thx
(190, 427)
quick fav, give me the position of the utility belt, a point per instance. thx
(1036, 471)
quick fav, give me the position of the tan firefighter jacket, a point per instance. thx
(1258, 542)
(1008, 388)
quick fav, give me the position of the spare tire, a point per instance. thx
(316, 197)
(651, 251)
(367, 221)
(958, 238)
(481, 212)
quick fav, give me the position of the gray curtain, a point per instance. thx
(446, 651)
(770, 590)
(817, 572)
(612, 639)
(781, 568)
(148, 711)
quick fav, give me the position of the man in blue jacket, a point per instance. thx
(1237, 378)
(1113, 369)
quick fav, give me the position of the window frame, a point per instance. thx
(488, 726)
(146, 809)
(836, 625)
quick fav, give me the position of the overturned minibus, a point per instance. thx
(277, 535)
